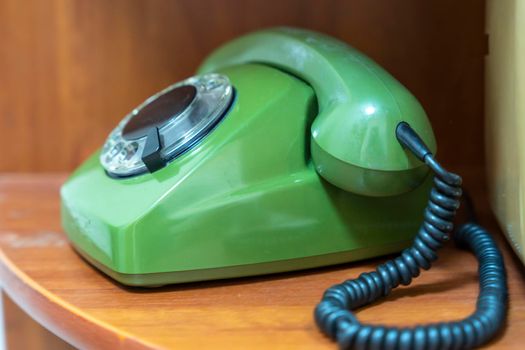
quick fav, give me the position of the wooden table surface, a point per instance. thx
(47, 279)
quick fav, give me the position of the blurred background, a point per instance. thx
(71, 69)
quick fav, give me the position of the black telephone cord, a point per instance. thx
(333, 314)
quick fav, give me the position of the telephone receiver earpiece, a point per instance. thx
(353, 142)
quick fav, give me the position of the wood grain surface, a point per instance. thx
(42, 274)
(23, 333)
(71, 69)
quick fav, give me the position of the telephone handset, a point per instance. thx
(289, 150)
(352, 144)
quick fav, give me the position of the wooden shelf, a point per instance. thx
(49, 281)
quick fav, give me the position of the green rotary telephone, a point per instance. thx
(288, 150)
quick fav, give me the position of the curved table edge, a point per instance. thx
(61, 318)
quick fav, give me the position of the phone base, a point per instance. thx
(246, 200)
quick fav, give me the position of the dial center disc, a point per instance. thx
(159, 112)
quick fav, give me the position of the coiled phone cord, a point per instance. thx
(333, 315)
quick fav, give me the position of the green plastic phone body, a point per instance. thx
(303, 171)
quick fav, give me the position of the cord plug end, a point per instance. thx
(408, 138)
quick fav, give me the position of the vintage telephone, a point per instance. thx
(289, 150)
